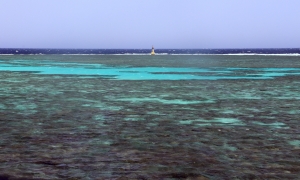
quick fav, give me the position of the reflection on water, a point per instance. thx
(86, 120)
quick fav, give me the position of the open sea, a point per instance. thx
(190, 114)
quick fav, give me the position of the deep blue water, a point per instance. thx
(295, 51)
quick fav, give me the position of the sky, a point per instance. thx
(139, 24)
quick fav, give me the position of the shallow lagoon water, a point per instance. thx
(145, 117)
(145, 73)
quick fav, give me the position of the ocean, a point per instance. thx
(181, 114)
(32, 51)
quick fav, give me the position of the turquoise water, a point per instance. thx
(145, 73)
(145, 117)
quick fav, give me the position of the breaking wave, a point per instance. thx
(240, 52)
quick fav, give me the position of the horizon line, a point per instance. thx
(150, 48)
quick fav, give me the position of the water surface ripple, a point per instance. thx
(145, 117)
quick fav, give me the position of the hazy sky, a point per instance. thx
(143, 23)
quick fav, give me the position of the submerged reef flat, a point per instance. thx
(72, 126)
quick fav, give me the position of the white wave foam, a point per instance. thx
(32, 54)
(88, 54)
(256, 54)
(240, 54)
(116, 54)
(148, 54)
